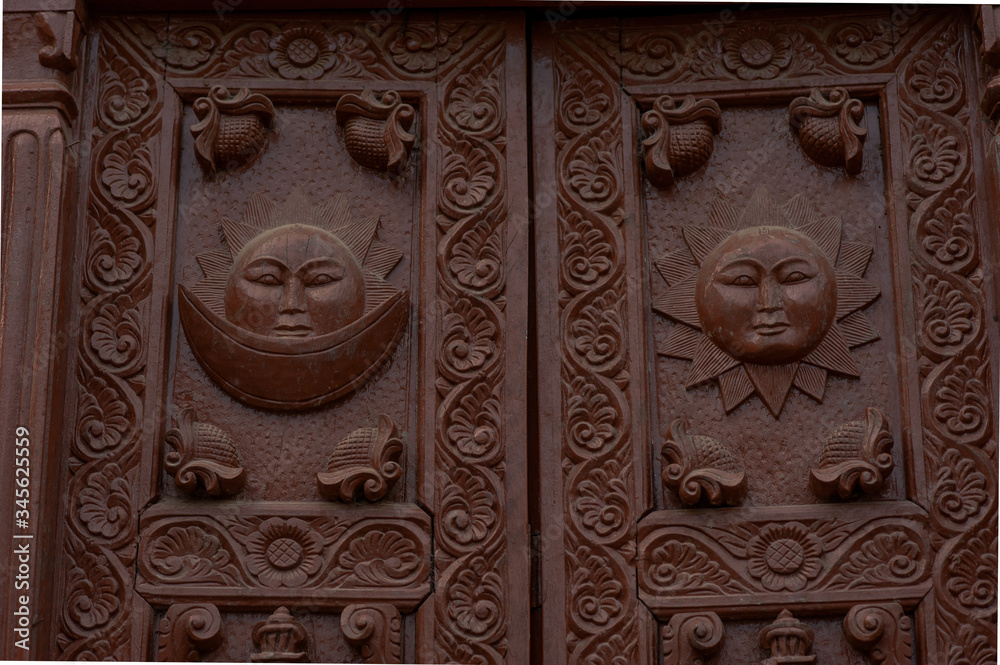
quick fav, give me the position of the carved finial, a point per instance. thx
(188, 631)
(696, 466)
(232, 128)
(830, 130)
(681, 137)
(375, 131)
(689, 638)
(857, 458)
(374, 629)
(279, 639)
(203, 452)
(882, 632)
(368, 455)
(789, 641)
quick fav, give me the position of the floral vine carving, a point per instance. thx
(882, 632)
(830, 130)
(366, 459)
(232, 128)
(204, 455)
(375, 130)
(680, 137)
(857, 458)
(697, 467)
(374, 629)
(690, 638)
(188, 631)
(105, 504)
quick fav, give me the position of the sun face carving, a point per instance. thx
(767, 297)
(294, 310)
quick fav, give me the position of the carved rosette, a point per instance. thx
(189, 631)
(691, 638)
(232, 128)
(857, 459)
(366, 459)
(280, 639)
(830, 130)
(882, 632)
(680, 137)
(374, 629)
(376, 130)
(789, 641)
(203, 455)
(697, 467)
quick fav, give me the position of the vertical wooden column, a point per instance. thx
(40, 103)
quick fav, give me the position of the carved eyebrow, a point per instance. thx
(266, 261)
(744, 261)
(321, 262)
(792, 260)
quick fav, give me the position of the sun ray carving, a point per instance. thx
(766, 297)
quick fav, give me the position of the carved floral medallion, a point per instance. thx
(767, 297)
(294, 311)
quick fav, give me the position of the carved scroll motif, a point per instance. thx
(830, 131)
(857, 459)
(61, 33)
(375, 130)
(882, 632)
(695, 466)
(374, 629)
(681, 137)
(233, 128)
(366, 458)
(690, 638)
(188, 631)
(789, 640)
(203, 452)
(280, 639)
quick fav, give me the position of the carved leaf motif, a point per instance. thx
(864, 43)
(971, 572)
(646, 54)
(970, 647)
(469, 337)
(945, 314)
(375, 629)
(600, 502)
(598, 331)
(92, 599)
(183, 47)
(595, 594)
(593, 422)
(467, 508)
(933, 154)
(476, 259)
(473, 425)
(114, 253)
(125, 94)
(187, 631)
(690, 638)
(960, 489)
(961, 402)
(592, 172)
(935, 74)
(116, 334)
(191, 555)
(885, 559)
(419, 49)
(587, 256)
(947, 235)
(127, 171)
(381, 558)
(105, 505)
(103, 417)
(475, 600)
(881, 631)
(469, 176)
(678, 567)
(474, 102)
(614, 651)
(585, 98)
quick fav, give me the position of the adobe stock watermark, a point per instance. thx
(22, 538)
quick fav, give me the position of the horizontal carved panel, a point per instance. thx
(243, 555)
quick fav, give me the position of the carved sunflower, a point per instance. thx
(756, 52)
(767, 297)
(784, 556)
(302, 53)
(284, 553)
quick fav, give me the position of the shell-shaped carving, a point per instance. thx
(857, 458)
(699, 467)
(232, 128)
(367, 458)
(830, 129)
(376, 130)
(681, 137)
(203, 454)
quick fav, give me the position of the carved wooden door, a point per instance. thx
(298, 399)
(766, 404)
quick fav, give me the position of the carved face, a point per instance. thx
(766, 295)
(295, 281)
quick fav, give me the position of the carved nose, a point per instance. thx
(293, 297)
(769, 298)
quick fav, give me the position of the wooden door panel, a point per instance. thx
(299, 391)
(726, 438)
